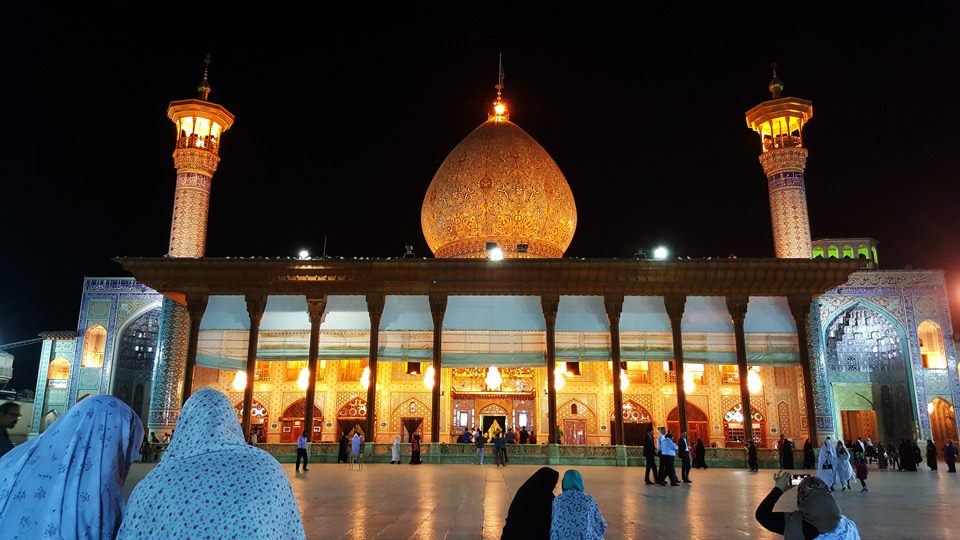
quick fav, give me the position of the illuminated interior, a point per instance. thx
(198, 132)
(58, 374)
(94, 344)
(931, 345)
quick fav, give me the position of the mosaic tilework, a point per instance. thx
(788, 201)
(188, 232)
(170, 365)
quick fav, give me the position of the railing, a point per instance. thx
(210, 144)
(782, 141)
(670, 376)
(729, 378)
(261, 374)
(638, 377)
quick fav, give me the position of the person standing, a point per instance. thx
(818, 515)
(467, 436)
(343, 442)
(668, 453)
(559, 434)
(701, 455)
(684, 457)
(511, 437)
(660, 438)
(931, 455)
(860, 469)
(894, 456)
(9, 414)
(355, 444)
(787, 454)
(809, 459)
(500, 449)
(153, 438)
(524, 436)
(481, 440)
(752, 457)
(302, 452)
(166, 438)
(826, 463)
(395, 451)
(950, 456)
(415, 451)
(533, 437)
(649, 455)
(780, 445)
(844, 470)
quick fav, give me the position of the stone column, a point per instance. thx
(737, 306)
(438, 306)
(375, 311)
(788, 201)
(550, 303)
(256, 304)
(315, 307)
(675, 304)
(168, 370)
(196, 305)
(800, 308)
(613, 303)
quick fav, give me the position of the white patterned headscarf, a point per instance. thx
(210, 484)
(68, 482)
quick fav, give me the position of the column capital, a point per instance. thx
(550, 303)
(737, 307)
(316, 307)
(196, 306)
(800, 308)
(675, 304)
(256, 305)
(375, 302)
(613, 303)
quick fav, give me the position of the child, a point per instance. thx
(861, 470)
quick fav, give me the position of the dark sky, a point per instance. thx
(340, 129)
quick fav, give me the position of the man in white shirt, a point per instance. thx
(660, 438)
(302, 452)
(668, 453)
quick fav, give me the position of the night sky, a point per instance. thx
(339, 131)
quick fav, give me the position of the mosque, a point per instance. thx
(500, 331)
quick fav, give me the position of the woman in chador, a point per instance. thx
(818, 516)
(415, 451)
(395, 451)
(809, 461)
(210, 484)
(827, 464)
(844, 469)
(68, 482)
(532, 508)
(576, 514)
(343, 455)
(701, 455)
(931, 455)
(752, 457)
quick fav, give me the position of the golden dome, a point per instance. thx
(498, 185)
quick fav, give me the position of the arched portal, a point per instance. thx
(352, 417)
(943, 422)
(58, 373)
(258, 419)
(136, 353)
(636, 421)
(733, 427)
(293, 419)
(698, 426)
(868, 369)
(94, 345)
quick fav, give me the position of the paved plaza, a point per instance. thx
(468, 501)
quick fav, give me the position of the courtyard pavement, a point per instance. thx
(386, 501)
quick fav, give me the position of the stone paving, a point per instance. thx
(386, 501)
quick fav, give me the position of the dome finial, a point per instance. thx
(203, 89)
(776, 85)
(499, 109)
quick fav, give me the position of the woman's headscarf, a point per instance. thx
(816, 506)
(572, 480)
(210, 484)
(68, 482)
(530, 512)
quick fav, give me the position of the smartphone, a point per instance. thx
(795, 479)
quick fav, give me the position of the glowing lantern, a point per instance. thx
(688, 384)
(558, 377)
(365, 378)
(428, 378)
(624, 381)
(240, 380)
(304, 380)
(753, 381)
(929, 408)
(493, 379)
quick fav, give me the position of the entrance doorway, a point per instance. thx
(860, 424)
(492, 423)
(293, 420)
(574, 431)
(697, 424)
(411, 427)
(943, 422)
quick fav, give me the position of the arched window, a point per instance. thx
(833, 252)
(848, 252)
(94, 343)
(874, 250)
(58, 373)
(931, 345)
(817, 252)
(863, 252)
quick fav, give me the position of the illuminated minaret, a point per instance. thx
(200, 125)
(780, 124)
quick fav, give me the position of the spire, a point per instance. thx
(776, 85)
(203, 89)
(499, 109)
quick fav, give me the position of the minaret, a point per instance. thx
(200, 125)
(780, 124)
